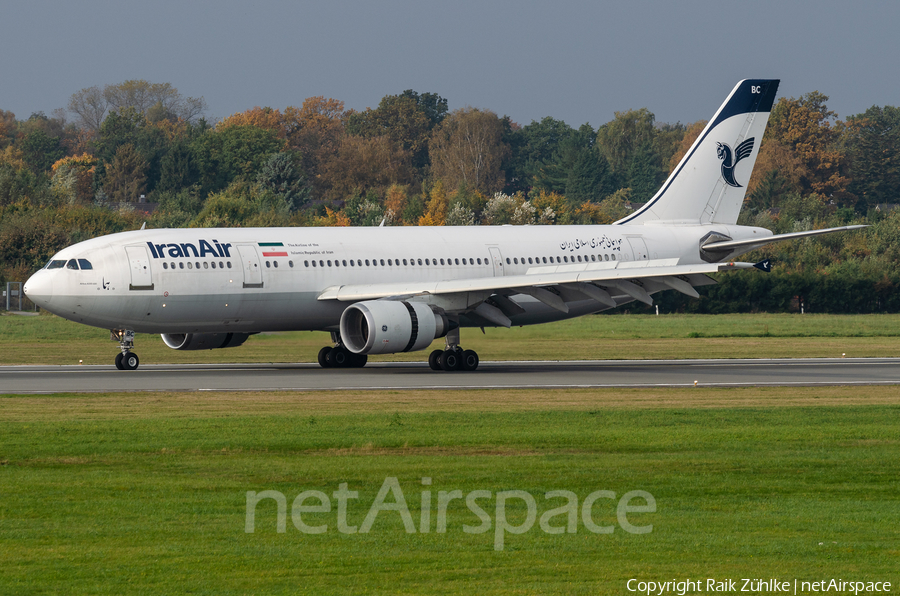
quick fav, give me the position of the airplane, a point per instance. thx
(383, 290)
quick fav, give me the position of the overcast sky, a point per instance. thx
(574, 60)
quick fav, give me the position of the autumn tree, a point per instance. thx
(266, 118)
(467, 148)
(805, 126)
(314, 130)
(361, 164)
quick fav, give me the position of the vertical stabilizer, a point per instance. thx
(709, 184)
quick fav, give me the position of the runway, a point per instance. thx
(411, 376)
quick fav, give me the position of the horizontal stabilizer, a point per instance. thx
(753, 243)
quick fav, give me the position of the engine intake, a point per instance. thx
(203, 341)
(388, 326)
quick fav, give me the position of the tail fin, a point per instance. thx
(709, 184)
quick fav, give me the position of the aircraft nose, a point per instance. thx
(39, 288)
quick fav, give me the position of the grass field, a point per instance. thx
(146, 493)
(51, 340)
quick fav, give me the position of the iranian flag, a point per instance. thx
(273, 249)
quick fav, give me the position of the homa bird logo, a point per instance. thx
(723, 151)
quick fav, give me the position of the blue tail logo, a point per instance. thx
(723, 151)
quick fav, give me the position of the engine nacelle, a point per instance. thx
(203, 341)
(388, 327)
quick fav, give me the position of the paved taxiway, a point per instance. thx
(307, 377)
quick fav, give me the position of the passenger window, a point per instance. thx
(614, 257)
(321, 263)
(329, 263)
(221, 265)
(72, 264)
(404, 262)
(197, 264)
(190, 266)
(206, 264)
(420, 262)
(306, 263)
(268, 265)
(336, 263)
(291, 264)
(181, 265)
(214, 265)
(165, 265)
(382, 262)
(314, 263)
(229, 264)
(275, 263)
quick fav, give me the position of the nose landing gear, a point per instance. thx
(126, 359)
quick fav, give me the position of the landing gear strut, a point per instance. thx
(453, 357)
(126, 359)
(339, 356)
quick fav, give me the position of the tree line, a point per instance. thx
(411, 161)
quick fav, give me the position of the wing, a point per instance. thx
(607, 283)
(743, 150)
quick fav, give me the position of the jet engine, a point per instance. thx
(388, 326)
(203, 341)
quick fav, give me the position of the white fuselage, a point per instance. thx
(270, 279)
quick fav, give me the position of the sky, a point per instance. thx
(574, 60)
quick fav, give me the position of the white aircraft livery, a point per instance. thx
(382, 290)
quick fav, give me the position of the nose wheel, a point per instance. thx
(126, 359)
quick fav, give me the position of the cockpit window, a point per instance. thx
(58, 264)
(72, 264)
(85, 264)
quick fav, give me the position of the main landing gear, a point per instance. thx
(126, 359)
(339, 356)
(453, 357)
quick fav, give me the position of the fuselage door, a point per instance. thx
(139, 263)
(638, 247)
(496, 261)
(252, 270)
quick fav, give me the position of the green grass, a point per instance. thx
(146, 493)
(49, 339)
